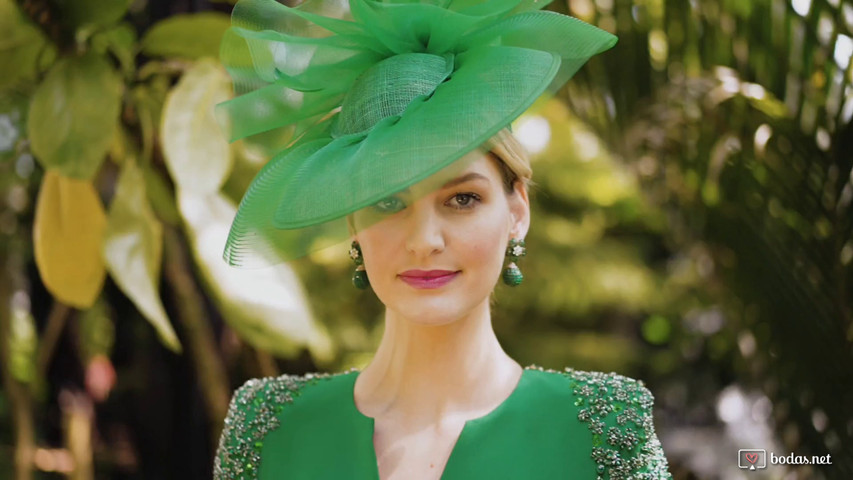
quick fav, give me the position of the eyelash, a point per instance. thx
(473, 196)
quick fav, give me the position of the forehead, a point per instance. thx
(484, 165)
(477, 166)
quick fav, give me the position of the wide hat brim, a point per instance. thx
(299, 201)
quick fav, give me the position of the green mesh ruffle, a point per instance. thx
(373, 97)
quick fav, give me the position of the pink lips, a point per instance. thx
(428, 278)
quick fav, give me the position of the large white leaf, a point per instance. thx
(197, 153)
(133, 250)
(267, 307)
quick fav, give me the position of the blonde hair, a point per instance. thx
(512, 159)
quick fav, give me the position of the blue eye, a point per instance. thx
(389, 205)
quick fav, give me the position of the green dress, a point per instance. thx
(555, 425)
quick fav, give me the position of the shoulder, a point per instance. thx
(252, 413)
(618, 412)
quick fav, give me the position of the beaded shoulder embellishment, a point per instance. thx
(618, 412)
(252, 414)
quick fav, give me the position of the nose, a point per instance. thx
(424, 229)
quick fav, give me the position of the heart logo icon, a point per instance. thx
(751, 457)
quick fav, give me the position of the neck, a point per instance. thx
(432, 371)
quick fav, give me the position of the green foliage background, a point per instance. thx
(691, 227)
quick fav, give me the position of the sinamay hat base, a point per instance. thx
(380, 97)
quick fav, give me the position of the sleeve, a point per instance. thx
(252, 413)
(649, 459)
(231, 460)
(618, 411)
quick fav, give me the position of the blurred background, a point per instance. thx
(691, 227)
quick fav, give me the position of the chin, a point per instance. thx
(433, 310)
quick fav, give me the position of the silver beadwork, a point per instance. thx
(617, 409)
(252, 413)
(632, 452)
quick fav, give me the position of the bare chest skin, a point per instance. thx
(419, 453)
(410, 444)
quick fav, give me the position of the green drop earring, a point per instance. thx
(512, 274)
(359, 277)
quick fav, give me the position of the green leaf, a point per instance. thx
(119, 40)
(21, 43)
(188, 36)
(162, 198)
(197, 153)
(86, 16)
(267, 307)
(148, 100)
(133, 250)
(74, 114)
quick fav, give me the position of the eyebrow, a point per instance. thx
(456, 181)
(465, 178)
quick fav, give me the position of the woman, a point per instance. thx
(417, 170)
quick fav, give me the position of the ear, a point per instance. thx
(519, 207)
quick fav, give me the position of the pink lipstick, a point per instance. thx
(428, 278)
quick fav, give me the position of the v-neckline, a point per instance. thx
(494, 412)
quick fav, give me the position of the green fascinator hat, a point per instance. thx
(377, 96)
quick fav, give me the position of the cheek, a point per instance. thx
(482, 244)
(371, 246)
(384, 255)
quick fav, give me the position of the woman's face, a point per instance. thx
(460, 229)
